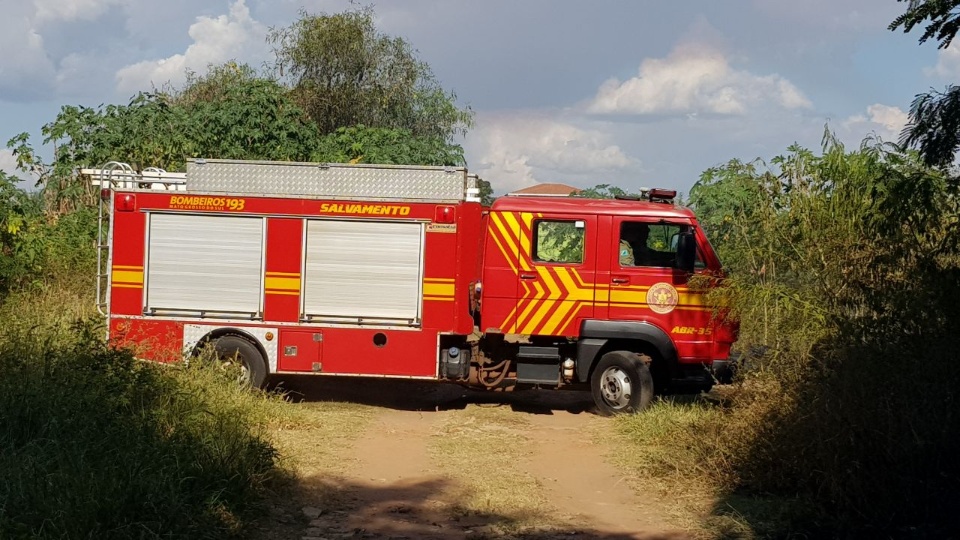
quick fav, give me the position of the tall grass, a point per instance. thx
(94, 444)
(846, 281)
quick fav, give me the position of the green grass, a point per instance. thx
(94, 444)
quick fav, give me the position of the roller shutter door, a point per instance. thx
(206, 264)
(363, 272)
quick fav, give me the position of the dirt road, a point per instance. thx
(378, 459)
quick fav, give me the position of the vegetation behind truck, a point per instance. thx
(396, 271)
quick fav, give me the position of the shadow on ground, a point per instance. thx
(333, 508)
(409, 395)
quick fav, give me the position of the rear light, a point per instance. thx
(126, 202)
(105, 194)
(445, 214)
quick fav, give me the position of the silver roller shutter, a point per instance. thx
(363, 271)
(205, 264)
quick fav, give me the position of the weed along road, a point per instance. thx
(378, 459)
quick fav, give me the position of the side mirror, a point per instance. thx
(686, 251)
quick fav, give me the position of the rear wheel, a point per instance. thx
(621, 383)
(233, 349)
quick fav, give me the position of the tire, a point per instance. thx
(233, 348)
(621, 383)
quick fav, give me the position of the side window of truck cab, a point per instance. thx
(558, 241)
(652, 244)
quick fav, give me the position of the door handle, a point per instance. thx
(528, 276)
(620, 280)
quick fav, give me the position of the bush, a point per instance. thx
(846, 279)
(94, 444)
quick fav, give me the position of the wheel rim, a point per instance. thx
(616, 387)
(236, 359)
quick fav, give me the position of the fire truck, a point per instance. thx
(399, 271)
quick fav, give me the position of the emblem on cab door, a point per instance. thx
(662, 298)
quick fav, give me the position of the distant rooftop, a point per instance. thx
(549, 190)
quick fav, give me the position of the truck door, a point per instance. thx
(646, 285)
(557, 269)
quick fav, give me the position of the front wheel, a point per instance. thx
(621, 383)
(235, 349)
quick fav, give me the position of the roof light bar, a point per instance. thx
(662, 195)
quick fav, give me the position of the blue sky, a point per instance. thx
(631, 93)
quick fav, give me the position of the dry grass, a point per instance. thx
(483, 448)
(314, 443)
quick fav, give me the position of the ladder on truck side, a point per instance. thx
(117, 175)
(333, 181)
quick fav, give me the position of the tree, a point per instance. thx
(600, 191)
(934, 126)
(344, 72)
(233, 114)
(361, 144)
(943, 15)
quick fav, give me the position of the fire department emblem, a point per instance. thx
(662, 298)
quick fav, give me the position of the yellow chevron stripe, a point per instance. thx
(438, 280)
(571, 302)
(502, 241)
(123, 267)
(573, 313)
(517, 239)
(550, 300)
(126, 286)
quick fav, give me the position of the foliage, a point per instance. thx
(228, 114)
(232, 114)
(486, 192)
(944, 17)
(934, 126)
(35, 249)
(360, 144)
(600, 191)
(845, 272)
(124, 449)
(345, 72)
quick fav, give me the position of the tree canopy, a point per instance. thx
(934, 125)
(345, 72)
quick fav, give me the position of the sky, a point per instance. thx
(633, 93)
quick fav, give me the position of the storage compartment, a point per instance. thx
(204, 265)
(363, 272)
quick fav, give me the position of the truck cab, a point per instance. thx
(598, 292)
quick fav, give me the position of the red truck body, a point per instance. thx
(530, 291)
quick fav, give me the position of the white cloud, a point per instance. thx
(25, 69)
(948, 63)
(694, 78)
(8, 163)
(884, 120)
(517, 150)
(72, 10)
(232, 36)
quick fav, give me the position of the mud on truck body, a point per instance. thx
(397, 271)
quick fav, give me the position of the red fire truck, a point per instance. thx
(397, 271)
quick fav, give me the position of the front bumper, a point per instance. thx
(724, 370)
